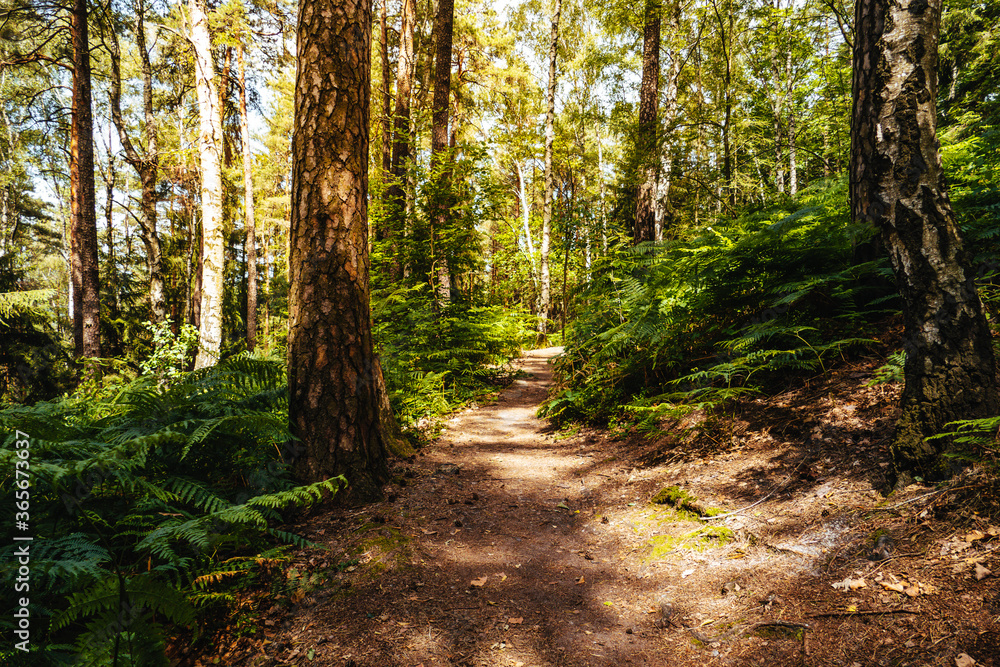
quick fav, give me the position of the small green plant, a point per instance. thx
(171, 351)
(892, 371)
(976, 441)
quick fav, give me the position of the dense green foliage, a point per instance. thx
(141, 492)
(722, 310)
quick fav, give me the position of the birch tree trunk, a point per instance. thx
(338, 405)
(522, 192)
(897, 184)
(248, 206)
(649, 99)
(209, 150)
(544, 300)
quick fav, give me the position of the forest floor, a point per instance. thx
(508, 543)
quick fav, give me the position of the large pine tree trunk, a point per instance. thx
(209, 150)
(649, 99)
(146, 164)
(83, 223)
(248, 206)
(544, 300)
(337, 394)
(897, 183)
(443, 33)
(401, 132)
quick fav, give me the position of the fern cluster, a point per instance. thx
(435, 360)
(140, 503)
(721, 311)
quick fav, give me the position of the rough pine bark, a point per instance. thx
(338, 405)
(83, 210)
(248, 205)
(649, 99)
(898, 185)
(544, 300)
(209, 150)
(443, 33)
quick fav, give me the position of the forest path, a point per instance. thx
(505, 543)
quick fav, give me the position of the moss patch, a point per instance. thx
(706, 537)
(681, 500)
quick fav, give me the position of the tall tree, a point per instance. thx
(145, 163)
(248, 206)
(646, 144)
(83, 226)
(337, 406)
(897, 183)
(209, 150)
(401, 130)
(443, 32)
(550, 137)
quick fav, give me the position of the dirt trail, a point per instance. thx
(506, 544)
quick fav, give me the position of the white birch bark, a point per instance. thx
(209, 150)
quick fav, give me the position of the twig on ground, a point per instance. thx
(773, 491)
(743, 630)
(865, 612)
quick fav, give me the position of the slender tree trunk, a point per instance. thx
(649, 98)
(550, 136)
(248, 206)
(401, 133)
(672, 85)
(793, 168)
(443, 30)
(209, 148)
(897, 183)
(526, 222)
(338, 403)
(146, 164)
(83, 211)
(386, 120)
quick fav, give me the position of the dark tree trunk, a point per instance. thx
(386, 124)
(646, 144)
(338, 405)
(83, 226)
(544, 299)
(898, 185)
(401, 133)
(443, 32)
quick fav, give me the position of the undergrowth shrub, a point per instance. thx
(722, 311)
(145, 506)
(434, 361)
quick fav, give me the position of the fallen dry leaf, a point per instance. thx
(479, 582)
(849, 584)
(894, 586)
(964, 660)
(580, 581)
(975, 535)
(428, 532)
(982, 572)
(516, 621)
